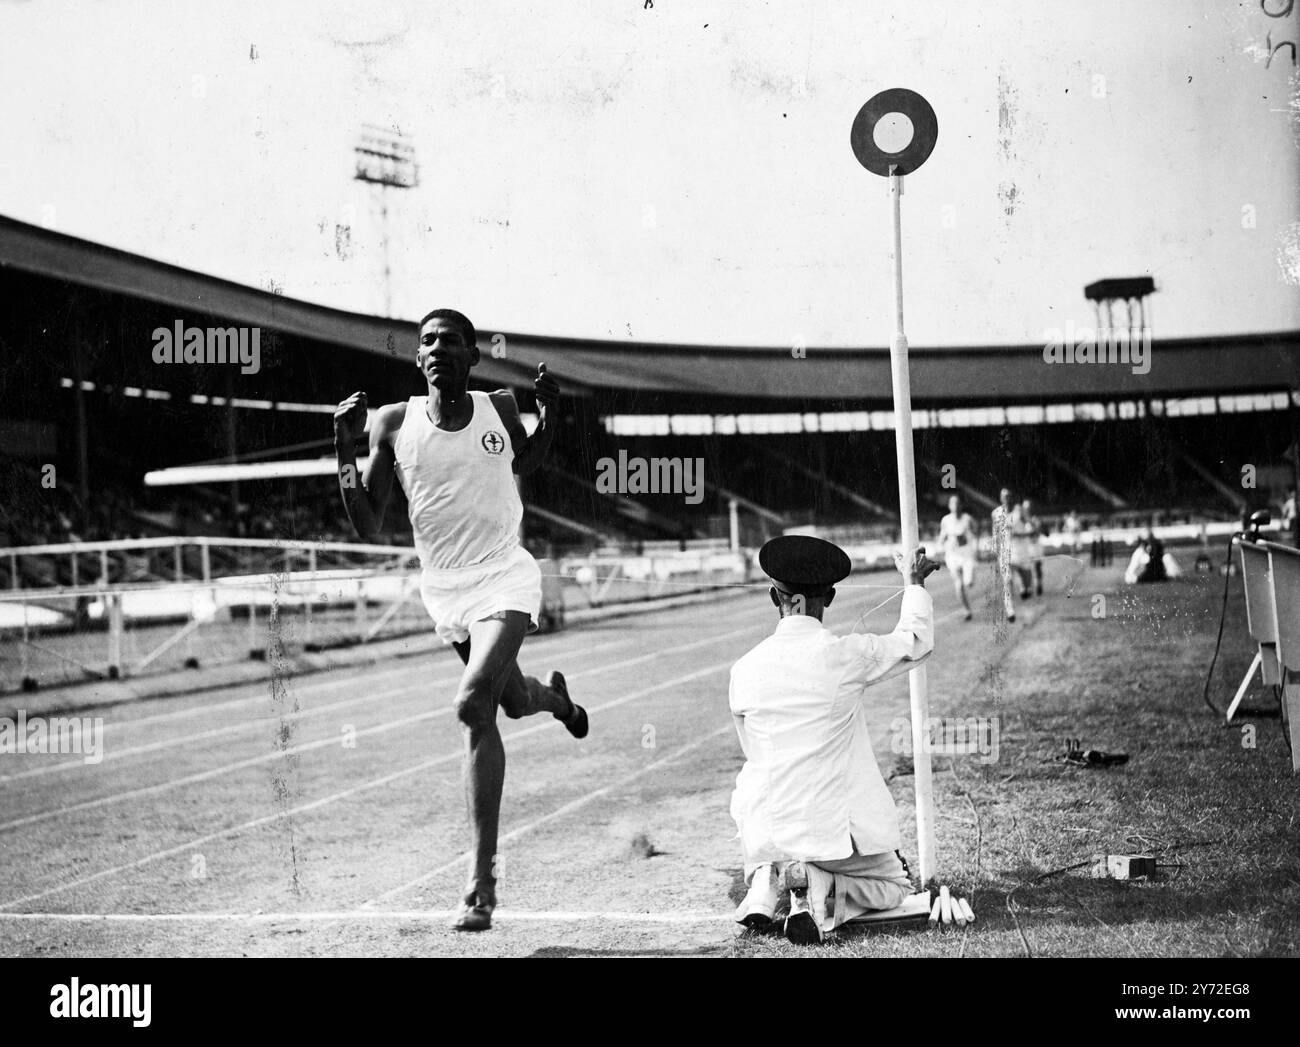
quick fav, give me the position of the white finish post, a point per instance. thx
(910, 539)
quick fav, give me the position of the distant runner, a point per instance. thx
(958, 538)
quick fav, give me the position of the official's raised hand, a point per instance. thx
(915, 567)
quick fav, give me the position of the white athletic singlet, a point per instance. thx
(460, 487)
(958, 534)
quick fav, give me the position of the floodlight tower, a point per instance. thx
(1131, 290)
(386, 159)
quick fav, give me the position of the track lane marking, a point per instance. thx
(369, 915)
(559, 812)
(383, 780)
(244, 725)
(345, 793)
(275, 754)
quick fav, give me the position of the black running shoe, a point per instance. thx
(475, 913)
(576, 722)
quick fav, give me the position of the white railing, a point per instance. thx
(165, 590)
(1271, 576)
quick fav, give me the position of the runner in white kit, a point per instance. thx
(958, 538)
(455, 453)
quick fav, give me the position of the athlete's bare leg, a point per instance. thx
(959, 583)
(494, 644)
(492, 678)
(524, 695)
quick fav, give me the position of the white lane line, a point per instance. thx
(163, 744)
(259, 722)
(302, 685)
(343, 794)
(559, 812)
(217, 732)
(364, 916)
(276, 754)
(372, 783)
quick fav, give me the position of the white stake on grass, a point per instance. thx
(934, 914)
(966, 910)
(945, 905)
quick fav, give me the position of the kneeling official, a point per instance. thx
(812, 809)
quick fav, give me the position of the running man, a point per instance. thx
(1031, 537)
(957, 537)
(454, 453)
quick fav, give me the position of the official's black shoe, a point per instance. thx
(801, 925)
(576, 722)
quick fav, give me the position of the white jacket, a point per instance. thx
(810, 788)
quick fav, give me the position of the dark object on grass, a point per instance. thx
(1125, 867)
(191, 663)
(642, 847)
(1076, 754)
(903, 767)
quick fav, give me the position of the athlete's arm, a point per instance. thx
(365, 495)
(530, 451)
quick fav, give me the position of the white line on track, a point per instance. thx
(345, 793)
(300, 684)
(363, 916)
(218, 732)
(259, 722)
(276, 754)
(369, 784)
(559, 812)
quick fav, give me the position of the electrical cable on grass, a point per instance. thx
(1223, 617)
(1079, 865)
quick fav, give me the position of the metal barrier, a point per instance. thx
(106, 610)
(1271, 574)
(109, 610)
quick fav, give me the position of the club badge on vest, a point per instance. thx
(493, 442)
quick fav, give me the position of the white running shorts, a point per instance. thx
(457, 598)
(961, 564)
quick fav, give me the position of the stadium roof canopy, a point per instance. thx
(963, 375)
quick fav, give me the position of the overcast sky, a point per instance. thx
(680, 173)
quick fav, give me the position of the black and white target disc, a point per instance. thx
(925, 130)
